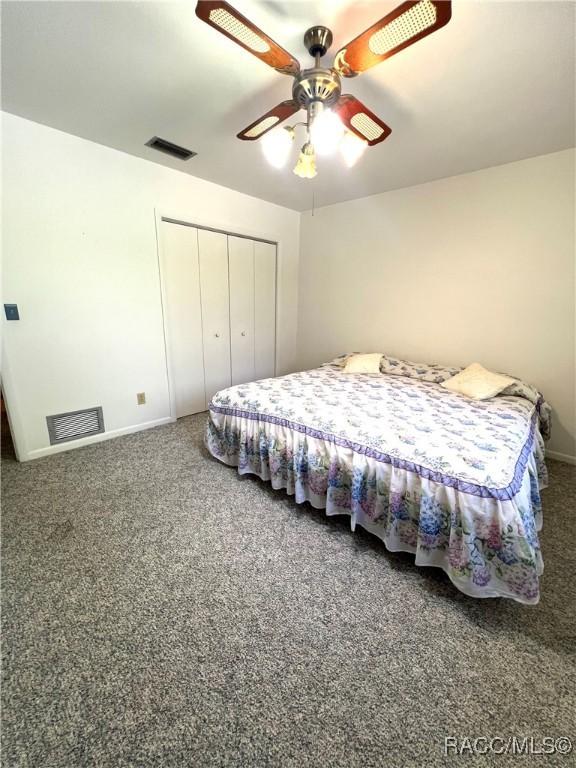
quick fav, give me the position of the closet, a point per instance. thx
(219, 294)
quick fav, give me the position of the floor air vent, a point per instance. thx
(170, 149)
(74, 425)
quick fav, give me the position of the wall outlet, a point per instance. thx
(141, 397)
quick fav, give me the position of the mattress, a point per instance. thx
(453, 480)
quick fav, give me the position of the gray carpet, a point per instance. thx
(161, 611)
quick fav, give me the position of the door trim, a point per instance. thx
(169, 220)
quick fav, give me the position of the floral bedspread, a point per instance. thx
(453, 480)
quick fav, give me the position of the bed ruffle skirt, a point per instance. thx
(487, 546)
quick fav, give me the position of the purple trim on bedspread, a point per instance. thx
(503, 494)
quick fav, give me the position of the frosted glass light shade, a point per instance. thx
(326, 132)
(276, 145)
(351, 148)
(306, 165)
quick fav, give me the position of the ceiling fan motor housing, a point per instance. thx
(316, 84)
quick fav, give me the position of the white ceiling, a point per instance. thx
(495, 85)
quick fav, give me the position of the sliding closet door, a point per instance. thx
(183, 319)
(241, 271)
(213, 252)
(264, 309)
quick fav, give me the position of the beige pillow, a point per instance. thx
(478, 383)
(363, 363)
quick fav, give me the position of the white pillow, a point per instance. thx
(363, 363)
(478, 383)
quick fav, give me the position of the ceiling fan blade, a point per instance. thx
(408, 23)
(227, 20)
(360, 120)
(268, 121)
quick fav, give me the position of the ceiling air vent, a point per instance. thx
(74, 425)
(170, 149)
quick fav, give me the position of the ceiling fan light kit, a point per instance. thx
(326, 131)
(334, 121)
(277, 145)
(306, 166)
(351, 148)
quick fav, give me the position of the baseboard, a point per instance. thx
(565, 457)
(40, 452)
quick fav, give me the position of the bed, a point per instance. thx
(453, 480)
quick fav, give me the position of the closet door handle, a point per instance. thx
(217, 335)
(243, 333)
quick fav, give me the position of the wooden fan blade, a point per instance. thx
(408, 23)
(227, 20)
(268, 121)
(361, 121)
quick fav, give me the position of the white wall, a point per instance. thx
(80, 260)
(478, 267)
(475, 267)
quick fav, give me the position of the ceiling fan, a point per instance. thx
(333, 119)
